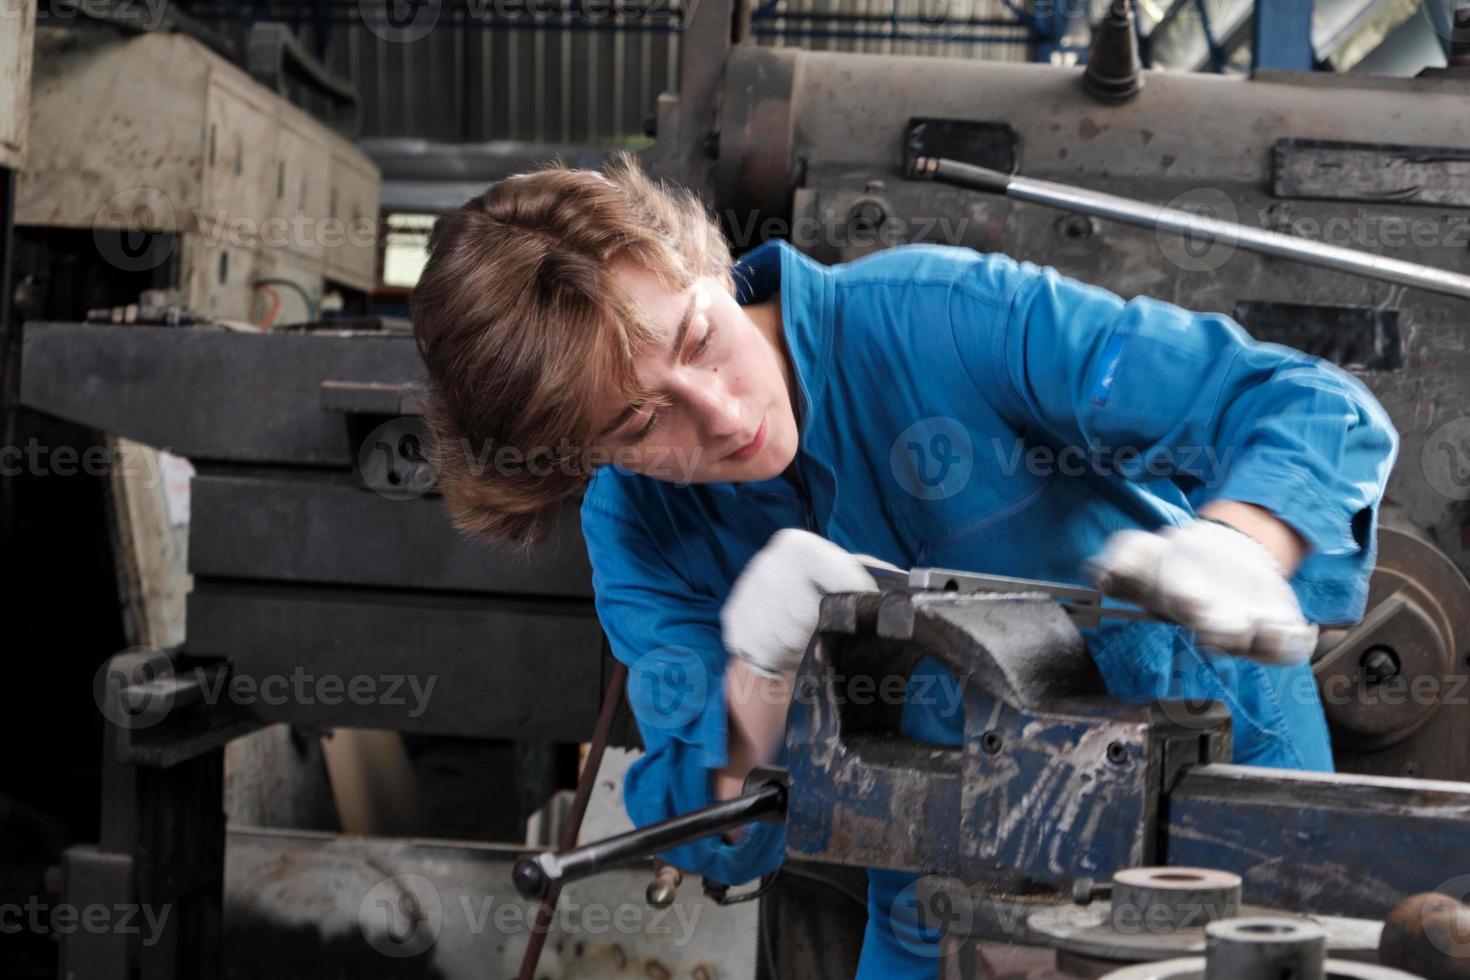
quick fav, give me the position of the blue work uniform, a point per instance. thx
(963, 410)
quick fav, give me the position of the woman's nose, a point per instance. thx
(716, 408)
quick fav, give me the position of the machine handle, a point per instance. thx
(534, 874)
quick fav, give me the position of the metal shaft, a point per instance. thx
(1177, 222)
(534, 874)
(546, 908)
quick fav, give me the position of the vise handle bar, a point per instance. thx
(764, 799)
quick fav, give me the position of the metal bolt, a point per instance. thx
(1379, 664)
(1086, 890)
(1078, 226)
(664, 888)
(1117, 753)
(867, 216)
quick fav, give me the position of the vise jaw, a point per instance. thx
(1052, 779)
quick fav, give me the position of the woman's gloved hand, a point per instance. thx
(1219, 582)
(772, 610)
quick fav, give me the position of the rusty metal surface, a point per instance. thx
(1334, 843)
(851, 109)
(307, 904)
(1371, 174)
(17, 43)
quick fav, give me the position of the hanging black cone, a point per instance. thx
(1114, 70)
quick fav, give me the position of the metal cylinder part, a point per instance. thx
(1265, 948)
(1158, 899)
(1386, 680)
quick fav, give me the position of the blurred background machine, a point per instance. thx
(196, 185)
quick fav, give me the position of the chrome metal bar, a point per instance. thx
(1177, 222)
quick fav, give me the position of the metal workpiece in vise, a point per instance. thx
(1053, 780)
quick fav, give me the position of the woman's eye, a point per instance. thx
(647, 427)
(699, 348)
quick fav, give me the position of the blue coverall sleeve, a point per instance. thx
(1160, 392)
(668, 634)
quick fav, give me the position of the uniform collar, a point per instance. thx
(806, 321)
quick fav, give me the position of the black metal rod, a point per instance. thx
(534, 874)
(600, 734)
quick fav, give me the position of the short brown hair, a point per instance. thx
(523, 328)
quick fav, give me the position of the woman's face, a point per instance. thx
(724, 372)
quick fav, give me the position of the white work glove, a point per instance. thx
(1219, 582)
(772, 610)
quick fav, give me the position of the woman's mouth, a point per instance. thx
(750, 448)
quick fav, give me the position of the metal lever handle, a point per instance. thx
(533, 874)
(1177, 222)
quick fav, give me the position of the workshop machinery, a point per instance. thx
(1057, 786)
(317, 545)
(825, 148)
(840, 153)
(319, 562)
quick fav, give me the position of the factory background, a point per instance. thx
(267, 508)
